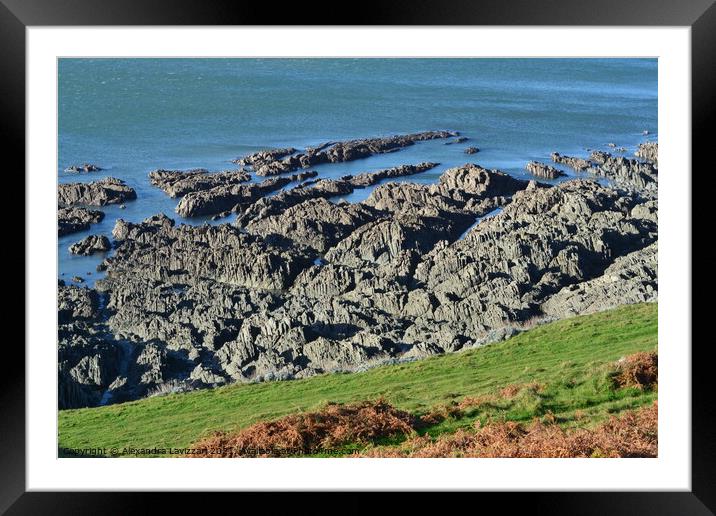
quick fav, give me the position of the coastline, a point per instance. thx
(247, 300)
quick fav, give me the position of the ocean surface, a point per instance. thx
(131, 116)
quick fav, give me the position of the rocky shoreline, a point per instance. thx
(297, 284)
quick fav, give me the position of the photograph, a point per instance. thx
(357, 257)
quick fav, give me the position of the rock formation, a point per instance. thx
(90, 245)
(97, 193)
(231, 197)
(325, 189)
(84, 168)
(626, 173)
(280, 161)
(72, 220)
(300, 285)
(578, 164)
(544, 171)
(180, 182)
(648, 151)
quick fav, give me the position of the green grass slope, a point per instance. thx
(570, 358)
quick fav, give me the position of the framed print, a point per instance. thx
(422, 253)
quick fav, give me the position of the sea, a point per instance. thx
(131, 116)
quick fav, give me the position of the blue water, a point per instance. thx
(131, 116)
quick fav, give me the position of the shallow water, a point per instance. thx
(131, 116)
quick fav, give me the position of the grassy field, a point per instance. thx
(569, 359)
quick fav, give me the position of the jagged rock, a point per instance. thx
(630, 279)
(84, 168)
(648, 210)
(258, 159)
(339, 152)
(161, 251)
(545, 239)
(177, 182)
(323, 189)
(626, 173)
(300, 285)
(87, 361)
(331, 355)
(371, 178)
(578, 164)
(76, 303)
(472, 150)
(78, 279)
(544, 171)
(227, 197)
(474, 180)
(316, 223)
(648, 151)
(206, 376)
(96, 193)
(72, 220)
(204, 315)
(90, 245)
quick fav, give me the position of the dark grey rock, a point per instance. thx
(84, 168)
(177, 183)
(267, 164)
(264, 157)
(323, 189)
(96, 193)
(90, 245)
(300, 285)
(229, 197)
(72, 220)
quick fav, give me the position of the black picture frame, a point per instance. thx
(17, 15)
